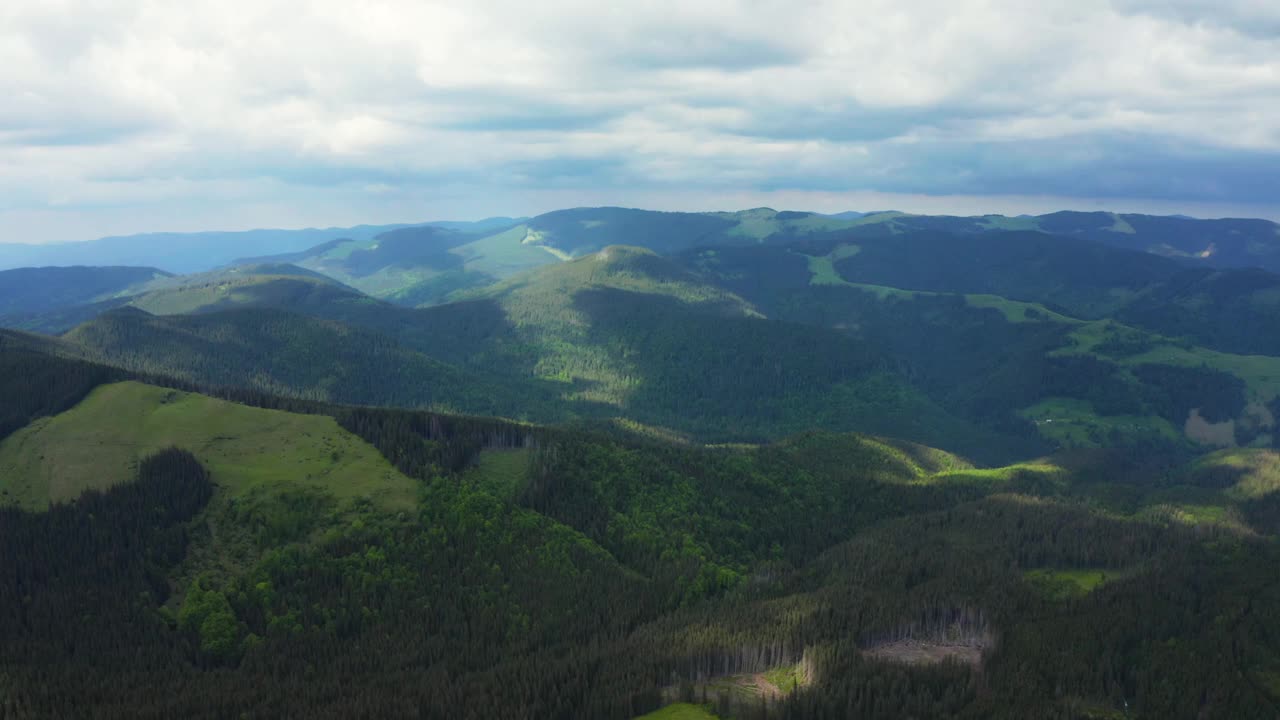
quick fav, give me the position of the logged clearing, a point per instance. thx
(745, 691)
(99, 443)
(1221, 434)
(920, 652)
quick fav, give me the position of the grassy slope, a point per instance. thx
(503, 254)
(99, 442)
(679, 711)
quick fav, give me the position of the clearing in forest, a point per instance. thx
(923, 652)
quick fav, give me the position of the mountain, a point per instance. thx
(415, 265)
(40, 289)
(219, 556)
(1234, 311)
(843, 329)
(760, 465)
(1224, 243)
(630, 330)
(279, 286)
(266, 285)
(199, 251)
(586, 230)
(423, 266)
(429, 265)
(622, 333)
(929, 303)
(276, 351)
(894, 335)
(1084, 279)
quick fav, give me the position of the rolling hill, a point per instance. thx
(263, 285)
(896, 335)
(423, 266)
(622, 333)
(929, 303)
(299, 356)
(1236, 311)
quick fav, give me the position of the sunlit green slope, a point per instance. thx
(99, 443)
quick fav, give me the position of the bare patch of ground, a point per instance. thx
(919, 652)
(1221, 434)
(766, 688)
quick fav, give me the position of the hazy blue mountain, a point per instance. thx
(196, 251)
(491, 224)
(41, 289)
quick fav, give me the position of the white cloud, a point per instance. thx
(120, 102)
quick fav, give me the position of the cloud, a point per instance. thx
(210, 104)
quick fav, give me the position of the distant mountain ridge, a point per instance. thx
(447, 262)
(990, 336)
(40, 289)
(180, 252)
(1222, 243)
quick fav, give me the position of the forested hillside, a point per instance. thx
(298, 356)
(619, 333)
(998, 329)
(487, 569)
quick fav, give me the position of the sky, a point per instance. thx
(124, 116)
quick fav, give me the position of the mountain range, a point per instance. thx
(616, 463)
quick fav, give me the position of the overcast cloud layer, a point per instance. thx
(128, 115)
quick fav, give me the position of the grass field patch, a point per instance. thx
(1063, 584)
(501, 472)
(680, 711)
(1073, 423)
(100, 442)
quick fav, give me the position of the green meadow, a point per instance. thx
(99, 443)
